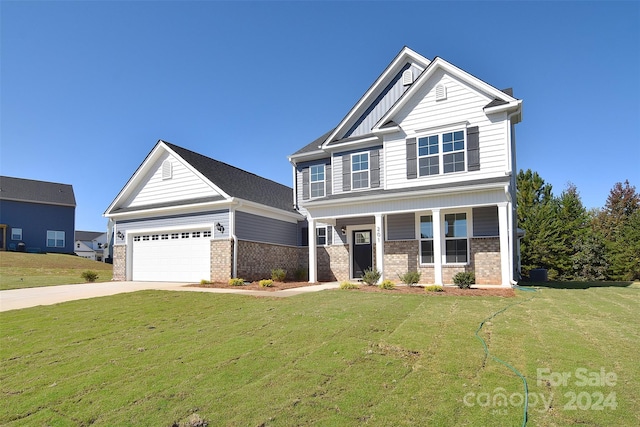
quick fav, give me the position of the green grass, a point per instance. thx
(25, 270)
(329, 358)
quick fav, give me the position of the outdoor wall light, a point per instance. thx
(120, 235)
(344, 230)
(220, 227)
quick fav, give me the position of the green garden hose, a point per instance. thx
(486, 351)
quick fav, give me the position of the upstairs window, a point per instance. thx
(55, 239)
(359, 171)
(317, 180)
(443, 153)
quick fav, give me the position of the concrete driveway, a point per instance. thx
(30, 297)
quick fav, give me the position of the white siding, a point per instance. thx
(184, 185)
(465, 105)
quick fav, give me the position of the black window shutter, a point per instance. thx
(375, 168)
(327, 177)
(473, 148)
(412, 160)
(305, 183)
(346, 172)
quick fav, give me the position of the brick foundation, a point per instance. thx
(256, 260)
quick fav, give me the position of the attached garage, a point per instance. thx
(176, 256)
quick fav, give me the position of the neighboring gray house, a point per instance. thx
(36, 216)
(418, 175)
(91, 244)
(186, 217)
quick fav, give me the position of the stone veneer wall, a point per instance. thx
(119, 262)
(221, 257)
(485, 260)
(256, 260)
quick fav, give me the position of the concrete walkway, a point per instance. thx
(30, 297)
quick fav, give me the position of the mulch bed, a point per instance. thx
(448, 290)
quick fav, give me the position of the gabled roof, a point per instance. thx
(237, 182)
(88, 235)
(32, 191)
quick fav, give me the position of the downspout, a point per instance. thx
(512, 220)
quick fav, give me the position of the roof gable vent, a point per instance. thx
(441, 92)
(167, 170)
(407, 77)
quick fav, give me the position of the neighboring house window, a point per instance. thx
(55, 239)
(360, 171)
(444, 152)
(456, 244)
(321, 236)
(426, 239)
(428, 158)
(16, 234)
(317, 180)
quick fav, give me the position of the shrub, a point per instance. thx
(278, 274)
(434, 288)
(349, 285)
(387, 284)
(90, 275)
(371, 276)
(236, 281)
(300, 274)
(410, 278)
(464, 280)
(266, 283)
(205, 282)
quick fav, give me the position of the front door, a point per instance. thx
(362, 252)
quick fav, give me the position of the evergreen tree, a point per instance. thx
(572, 222)
(589, 260)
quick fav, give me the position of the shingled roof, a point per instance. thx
(237, 182)
(29, 190)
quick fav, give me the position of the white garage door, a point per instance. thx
(172, 257)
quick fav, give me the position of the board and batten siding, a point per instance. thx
(389, 95)
(183, 185)
(256, 228)
(463, 104)
(176, 222)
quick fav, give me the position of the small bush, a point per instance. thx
(349, 285)
(278, 274)
(205, 282)
(434, 288)
(387, 284)
(410, 278)
(90, 275)
(300, 274)
(371, 276)
(236, 281)
(464, 280)
(266, 283)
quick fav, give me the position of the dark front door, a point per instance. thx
(362, 252)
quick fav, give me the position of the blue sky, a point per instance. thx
(87, 88)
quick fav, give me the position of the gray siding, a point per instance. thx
(381, 104)
(258, 228)
(401, 227)
(485, 222)
(208, 219)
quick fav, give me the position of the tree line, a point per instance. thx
(574, 243)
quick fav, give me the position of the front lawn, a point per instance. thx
(25, 270)
(328, 358)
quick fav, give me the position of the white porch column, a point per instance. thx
(379, 231)
(437, 247)
(505, 258)
(313, 259)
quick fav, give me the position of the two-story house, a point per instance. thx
(91, 244)
(36, 216)
(418, 175)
